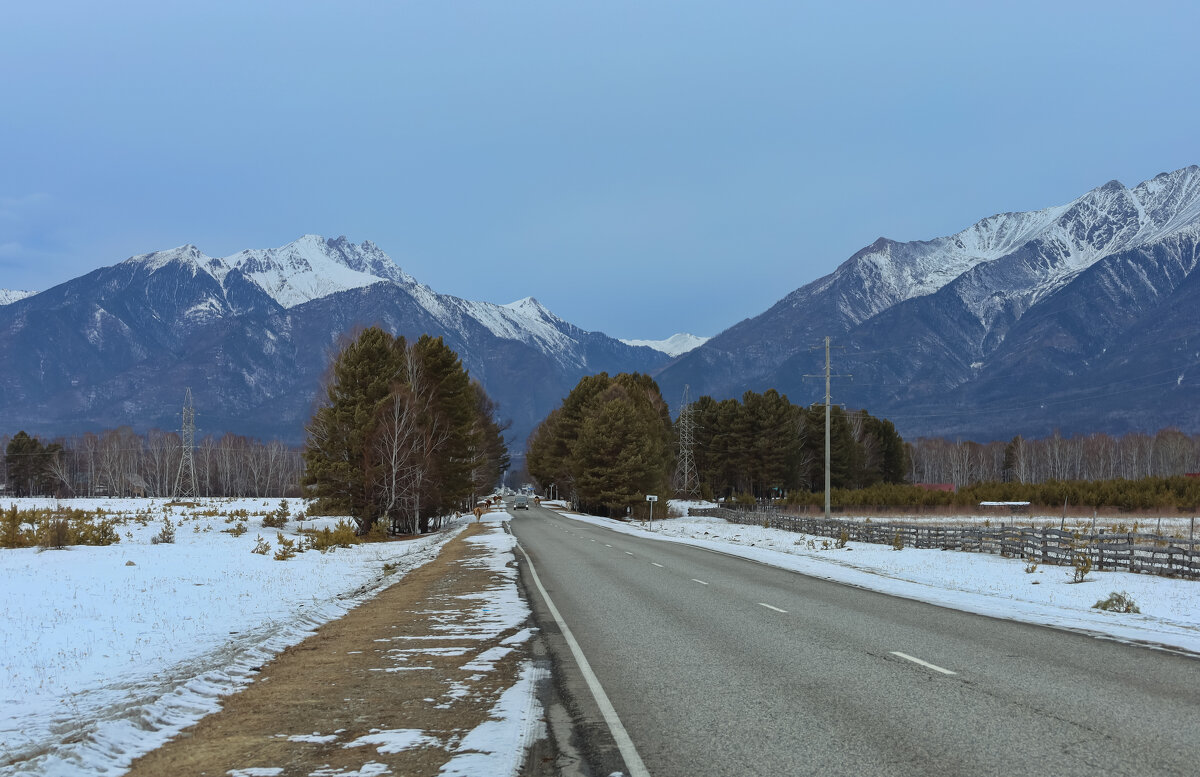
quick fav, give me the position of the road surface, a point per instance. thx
(715, 665)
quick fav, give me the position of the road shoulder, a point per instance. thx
(433, 675)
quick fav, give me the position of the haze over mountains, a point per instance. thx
(1082, 317)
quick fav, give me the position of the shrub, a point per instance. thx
(13, 533)
(237, 530)
(1031, 566)
(342, 536)
(1117, 602)
(377, 533)
(167, 535)
(842, 539)
(261, 546)
(98, 531)
(279, 518)
(897, 542)
(1082, 564)
(55, 532)
(287, 548)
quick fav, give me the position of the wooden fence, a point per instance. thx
(1147, 553)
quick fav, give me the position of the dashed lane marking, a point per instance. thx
(925, 664)
(771, 607)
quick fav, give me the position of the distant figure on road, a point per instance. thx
(537, 500)
(478, 512)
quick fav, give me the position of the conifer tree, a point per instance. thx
(338, 462)
(609, 443)
(403, 434)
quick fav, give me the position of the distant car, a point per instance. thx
(521, 503)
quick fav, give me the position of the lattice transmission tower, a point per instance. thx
(687, 482)
(185, 479)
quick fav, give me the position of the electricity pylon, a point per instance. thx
(687, 482)
(185, 479)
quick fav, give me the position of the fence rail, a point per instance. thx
(1146, 553)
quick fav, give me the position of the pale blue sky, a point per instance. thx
(641, 167)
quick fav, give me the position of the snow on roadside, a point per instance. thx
(107, 652)
(972, 582)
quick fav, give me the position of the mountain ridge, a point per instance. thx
(932, 316)
(252, 334)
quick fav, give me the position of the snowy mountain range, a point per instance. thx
(252, 333)
(675, 345)
(1022, 322)
(1082, 317)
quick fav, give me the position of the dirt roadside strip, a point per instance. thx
(432, 676)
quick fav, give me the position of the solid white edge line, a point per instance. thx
(772, 607)
(926, 664)
(701, 582)
(633, 761)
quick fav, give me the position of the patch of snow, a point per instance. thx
(498, 745)
(9, 296)
(675, 345)
(315, 738)
(369, 769)
(395, 740)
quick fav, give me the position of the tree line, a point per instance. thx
(403, 435)
(764, 446)
(1091, 457)
(1149, 493)
(121, 462)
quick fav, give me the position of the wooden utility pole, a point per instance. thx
(828, 406)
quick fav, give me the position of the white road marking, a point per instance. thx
(627, 553)
(926, 664)
(654, 563)
(633, 761)
(607, 545)
(770, 607)
(701, 582)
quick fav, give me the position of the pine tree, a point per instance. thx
(403, 436)
(339, 467)
(609, 443)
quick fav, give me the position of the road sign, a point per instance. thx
(651, 498)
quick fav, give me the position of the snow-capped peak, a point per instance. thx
(1070, 237)
(9, 296)
(314, 266)
(675, 345)
(187, 255)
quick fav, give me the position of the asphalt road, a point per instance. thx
(721, 666)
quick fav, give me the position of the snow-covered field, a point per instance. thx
(974, 582)
(107, 652)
